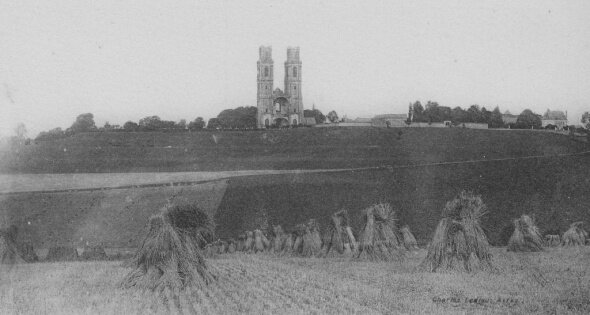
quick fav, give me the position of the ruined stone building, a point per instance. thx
(276, 107)
(554, 117)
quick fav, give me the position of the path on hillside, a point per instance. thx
(20, 183)
(15, 183)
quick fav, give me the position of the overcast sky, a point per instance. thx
(124, 60)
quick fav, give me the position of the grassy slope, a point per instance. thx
(551, 189)
(114, 217)
(306, 148)
(552, 282)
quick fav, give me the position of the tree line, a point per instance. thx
(245, 117)
(85, 123)
(433, 112)
(242, 118)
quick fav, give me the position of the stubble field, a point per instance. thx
(113, 208)
(554, 281)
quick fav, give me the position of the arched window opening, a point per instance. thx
(294, 72)
(294, 122)
(266, 71)
(266, 123)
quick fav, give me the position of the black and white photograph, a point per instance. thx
(294, 157)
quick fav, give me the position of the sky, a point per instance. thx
(124, 60)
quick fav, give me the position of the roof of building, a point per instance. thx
(509, 118)
(363, 120)
(391, 116)
(554, 115)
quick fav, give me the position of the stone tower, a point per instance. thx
(276, 107)
(293, 79)
(265, 83)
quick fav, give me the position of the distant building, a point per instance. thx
(556, 118)
(391, 120)
(363, 120)
(508, 118)
(357, 122)
(309, 121)
(276, 107)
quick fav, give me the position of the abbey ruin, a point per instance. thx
(277, 107)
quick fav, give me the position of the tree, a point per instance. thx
(181, 125)
(315, 113)
(528, 119)
(436, 113)
(431, 112)
(243, 117)
(458, 115)
(154, 123)
(419, 112)
(83, 123)
(496, 119)
(486, 115)
(150, 123)
(474, 114)
(130, 126)
(332, 116)
(445, 113)
(213, 123)
(197, 124)
(586, 120)
(20, 131)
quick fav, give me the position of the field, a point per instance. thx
(75, 207)
(112, 217)
(555, 281)
(102, 188)
(554, 191)
(305, 148)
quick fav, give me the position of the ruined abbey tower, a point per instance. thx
(276, 107)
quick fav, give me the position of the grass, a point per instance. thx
(113, 217)
(305, 148)
(551, 189)
(554, 281)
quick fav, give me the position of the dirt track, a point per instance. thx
(18, 183)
